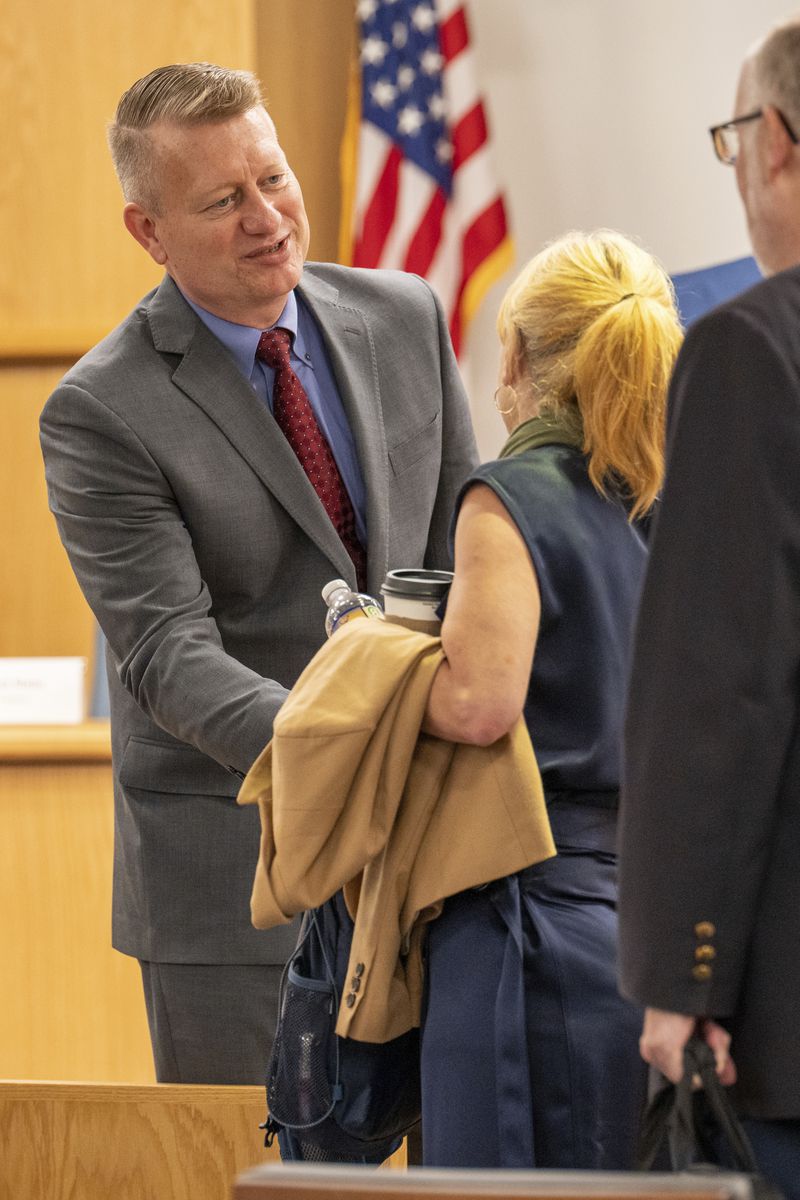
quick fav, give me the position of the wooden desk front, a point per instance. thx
(72, 1008)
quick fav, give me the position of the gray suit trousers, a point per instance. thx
(211, 1023)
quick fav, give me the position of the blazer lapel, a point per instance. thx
(349, 343)
(206, 373)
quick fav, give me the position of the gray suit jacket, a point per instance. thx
(201, 547)
(710, 817)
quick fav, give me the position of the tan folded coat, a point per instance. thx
(353, 796)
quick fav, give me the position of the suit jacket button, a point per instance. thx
(359, 968)
(702, 972)
(350, 999)
(705, 930)
(705, 953)
(355, 983)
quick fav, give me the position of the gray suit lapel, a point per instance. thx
(208, 375)
(348, 340)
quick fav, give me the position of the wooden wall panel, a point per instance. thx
(72, 1007)
(304, 71)
(43, 611)
(69, 271)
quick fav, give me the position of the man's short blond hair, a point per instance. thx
(183, 93)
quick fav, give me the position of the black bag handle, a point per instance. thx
(671, 1116)
(699, 1060)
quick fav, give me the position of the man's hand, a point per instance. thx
(666, 1033)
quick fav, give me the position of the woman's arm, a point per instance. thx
(490, 627)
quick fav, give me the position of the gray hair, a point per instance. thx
(776, 63)
(184, 93)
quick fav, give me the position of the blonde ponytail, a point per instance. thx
(595, 320)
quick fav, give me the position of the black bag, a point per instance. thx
(699, 1125)
(342, 1100)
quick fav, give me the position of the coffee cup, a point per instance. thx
(412, 595)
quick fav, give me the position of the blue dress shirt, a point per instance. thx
(310, 363)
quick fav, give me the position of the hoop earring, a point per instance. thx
(502, 395)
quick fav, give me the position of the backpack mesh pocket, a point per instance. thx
(298, 1087)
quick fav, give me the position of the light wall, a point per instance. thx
(599, 112)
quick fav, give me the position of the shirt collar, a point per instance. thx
(241, 341)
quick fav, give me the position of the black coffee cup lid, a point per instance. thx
(415, 582)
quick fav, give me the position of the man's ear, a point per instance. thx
(779, 143)
(141, 226)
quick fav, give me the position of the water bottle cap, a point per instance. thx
(335, 585)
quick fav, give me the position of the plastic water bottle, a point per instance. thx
(344, 604)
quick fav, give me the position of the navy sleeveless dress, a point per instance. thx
(529, 1055)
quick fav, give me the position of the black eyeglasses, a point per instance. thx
(726, 136)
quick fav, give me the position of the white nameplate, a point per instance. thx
(42, 691)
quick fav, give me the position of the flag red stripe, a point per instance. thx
(379, 216)
(483, 236)
(455, 330)
(453, 35)
(469, 135)
(426, 239)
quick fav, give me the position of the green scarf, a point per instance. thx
(541, 431)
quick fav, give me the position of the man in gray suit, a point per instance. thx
(201, 532)
(710, 819)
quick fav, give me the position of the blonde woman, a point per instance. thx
(530, 1057)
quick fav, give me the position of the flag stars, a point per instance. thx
(444, 150)
(383, 93)
(374, 50)
(410, 120)
(437, 107)
(431, 62)
(405, 78)
(366, 9)
(401, 79)
(423, 18)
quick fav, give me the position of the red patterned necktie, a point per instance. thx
(295, 416)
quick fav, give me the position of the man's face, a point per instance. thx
(232, 228)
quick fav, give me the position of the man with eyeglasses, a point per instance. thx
(710, 819)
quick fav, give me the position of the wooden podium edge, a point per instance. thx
(88, 742)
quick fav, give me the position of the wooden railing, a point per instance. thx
(76, 1141)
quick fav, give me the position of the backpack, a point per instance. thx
(340, 1100)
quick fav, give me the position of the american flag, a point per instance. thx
(419, 193)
